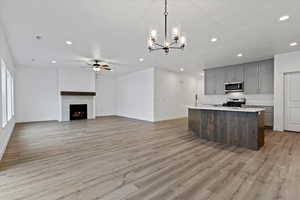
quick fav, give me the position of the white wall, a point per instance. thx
(36, 94)
(135, 95)
(77, 80)
(5, 54)
(284, 63)
(173, 91)
(37, 91)
(106, 96)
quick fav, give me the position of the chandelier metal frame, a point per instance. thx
(178, 41)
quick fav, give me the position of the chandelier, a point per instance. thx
(178, 41)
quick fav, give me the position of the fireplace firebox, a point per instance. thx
(78, 111)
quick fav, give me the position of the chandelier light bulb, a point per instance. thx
(150, 43)
(175, 33)
(183, 40)
(167, 44)
(153, 35)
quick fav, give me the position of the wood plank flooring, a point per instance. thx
(114, 158)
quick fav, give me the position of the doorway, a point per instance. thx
(292, 101)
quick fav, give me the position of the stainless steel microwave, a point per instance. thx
(234, 87)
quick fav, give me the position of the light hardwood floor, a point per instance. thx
(115, 158)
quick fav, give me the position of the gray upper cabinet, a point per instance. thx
(258, 77)
(234, 73)
(266, 77)
(251, 82)
(210, 85)
(220, 80)
(214, 81)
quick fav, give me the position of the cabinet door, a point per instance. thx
(251, 83)
(219, 81)
(238, 73)
(229, 74)
(234, 73)
(210, 82)
(266, 77)
(269, 119)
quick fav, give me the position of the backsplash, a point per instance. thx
(266, 100)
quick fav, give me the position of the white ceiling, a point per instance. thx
(119, 29)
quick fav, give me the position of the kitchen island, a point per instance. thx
(242, 127)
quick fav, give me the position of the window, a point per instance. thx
(7, 92)
(12, 97)
(3, 92)
(9, 96)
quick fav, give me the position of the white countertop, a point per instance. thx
(223, 108)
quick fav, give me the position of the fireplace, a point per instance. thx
(78, 111)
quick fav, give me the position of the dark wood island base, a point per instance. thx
(244, 129)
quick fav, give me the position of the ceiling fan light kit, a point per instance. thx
(178, 41)
(98, 66)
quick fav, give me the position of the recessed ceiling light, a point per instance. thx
(240, 55)
(284, 18)
(69, 42)
(181, 69)
(293, 44)
(53, 62)
(141, 59)
(213, 39)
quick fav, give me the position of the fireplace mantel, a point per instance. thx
(76, 93)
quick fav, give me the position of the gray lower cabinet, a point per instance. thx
(266, 77)
(269, 119)
(269, 114)
(251, 83)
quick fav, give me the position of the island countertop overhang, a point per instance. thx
(223, 108)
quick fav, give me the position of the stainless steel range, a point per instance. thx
(235, 102)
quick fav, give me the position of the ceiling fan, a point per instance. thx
(98, 65)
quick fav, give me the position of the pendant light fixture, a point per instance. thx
(178, 41)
